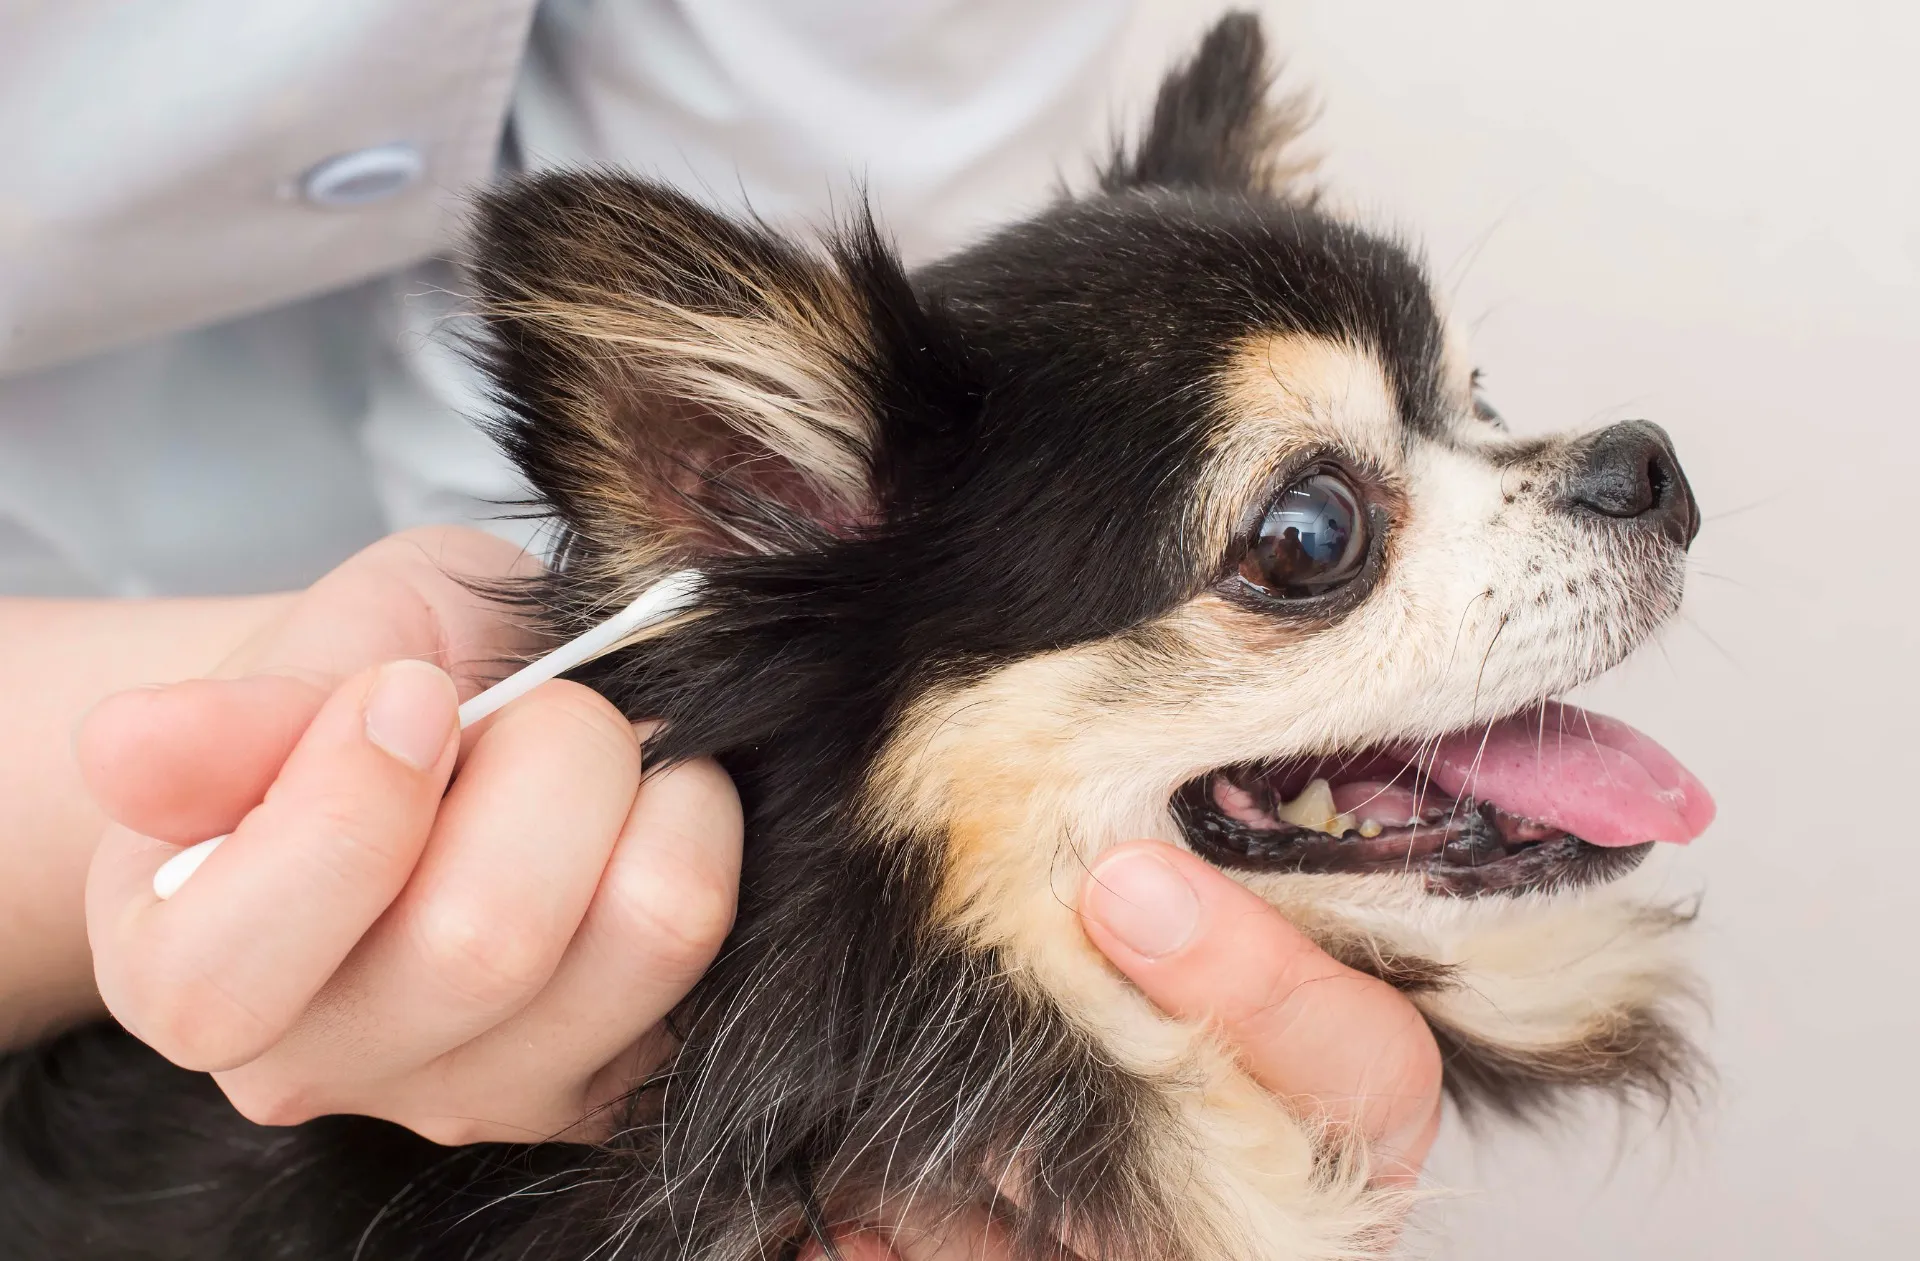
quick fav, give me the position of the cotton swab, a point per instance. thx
(657, 603)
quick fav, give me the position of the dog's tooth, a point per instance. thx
(1313, 808)
(1370, 828)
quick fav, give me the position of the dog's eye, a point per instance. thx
(1483, 410)
(1312, 540)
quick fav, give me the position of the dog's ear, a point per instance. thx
(1216, 124)
(677, 385)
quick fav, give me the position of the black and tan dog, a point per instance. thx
(1171, 512)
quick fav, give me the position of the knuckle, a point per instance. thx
(675, 913)
(265, 1100)
(418, 567)
(347, 857)
(588, 721)
(484, 952)
(464, 546)
(708, 789)
(350, 841)
(346, 835)
(194, 1022)
(423, 544)
(450, 1131)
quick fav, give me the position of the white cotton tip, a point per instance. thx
(174, 872)
(657, 603)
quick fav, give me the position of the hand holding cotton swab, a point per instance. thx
(657, 603)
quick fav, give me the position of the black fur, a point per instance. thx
(1038, 423)
(1213, 126)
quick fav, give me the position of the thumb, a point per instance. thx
(1309, 1028)
(186, 762)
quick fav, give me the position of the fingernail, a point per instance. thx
(1144, 901)
(410, 712)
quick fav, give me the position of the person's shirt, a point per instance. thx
(223, 361)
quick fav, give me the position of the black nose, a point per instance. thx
(1628, 471)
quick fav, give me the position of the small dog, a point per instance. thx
(1174, 511)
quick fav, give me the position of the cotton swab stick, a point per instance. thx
(657, 603)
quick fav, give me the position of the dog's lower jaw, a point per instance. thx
(1536, 996)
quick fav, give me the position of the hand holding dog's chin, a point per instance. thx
(1342, 1047)
(485, 961)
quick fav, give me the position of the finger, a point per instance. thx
(412, 594)
(216, 975)
(1308, 1027)
(662, 909)
(186, 762)
(507, 874)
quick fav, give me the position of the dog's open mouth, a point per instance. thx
(1551, 798)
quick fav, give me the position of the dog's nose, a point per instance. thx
(1628, 471)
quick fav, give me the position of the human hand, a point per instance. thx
(486, 961)
(1335, 1044)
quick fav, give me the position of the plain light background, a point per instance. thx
(1708, 215)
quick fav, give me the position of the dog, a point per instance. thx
(1174, 511)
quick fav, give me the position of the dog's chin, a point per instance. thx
(1495, 809)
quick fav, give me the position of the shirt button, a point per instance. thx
(365, 175)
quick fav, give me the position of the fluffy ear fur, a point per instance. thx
(678, 385)
(1214, 126)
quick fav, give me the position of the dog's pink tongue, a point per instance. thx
(1592, 775)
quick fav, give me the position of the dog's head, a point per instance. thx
(1175, 510)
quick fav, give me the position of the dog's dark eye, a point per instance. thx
(1483, 410)
(1312, 540)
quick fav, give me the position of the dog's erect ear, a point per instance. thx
(1214, 125)
(678, 385)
